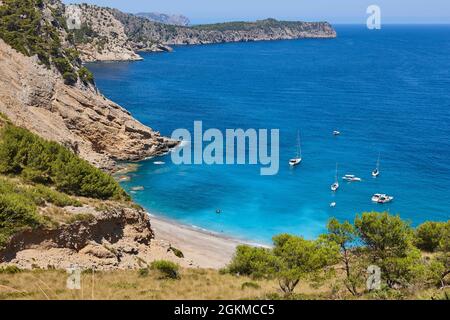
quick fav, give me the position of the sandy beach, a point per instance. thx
(200, 248)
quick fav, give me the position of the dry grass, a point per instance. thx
(194, 284)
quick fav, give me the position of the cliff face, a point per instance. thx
(109, 34)
(102, 36)
(116, 238)
(79, 117)
(141, 31)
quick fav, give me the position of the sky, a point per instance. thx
(334, 11)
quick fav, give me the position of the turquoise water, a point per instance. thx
(387, 91)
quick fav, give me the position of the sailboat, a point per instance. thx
(296, 161)
(376, 171)
(335, 185)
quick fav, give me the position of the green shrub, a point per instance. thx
(388, 241)
(17, 213)
(429, 235)
(178, 253)
(70, 78)
(250, 285)
(143, 272)
(250, 261)
(85, 75)
(25, 154)
(168, 269)
(42, 194)
(10, 270)
(63, 65)
(80, 217)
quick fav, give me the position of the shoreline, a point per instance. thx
(201, 248)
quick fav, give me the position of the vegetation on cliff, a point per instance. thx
(36, 173)
(39, 161)
(266, 25)
(19, 205)
(26, 28)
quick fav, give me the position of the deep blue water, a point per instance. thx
(387, 91)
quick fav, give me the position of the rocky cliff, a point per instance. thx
(79, 117)
(118, 237)
(100, 36)
(45, 88)
(109, 34)
(140, 31)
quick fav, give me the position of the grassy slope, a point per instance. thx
(193, 284)
(39, 178)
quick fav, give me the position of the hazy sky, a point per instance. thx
(335, 11)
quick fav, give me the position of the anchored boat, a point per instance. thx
(382, 198)
(296, 161)
(335, 185)
(351, 178)
(376, 171)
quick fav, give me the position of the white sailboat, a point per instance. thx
(296, 161)
(376, 171)
(335, 185)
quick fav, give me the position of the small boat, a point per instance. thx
(138, 188)
(335, 185)
(376, 197)
(385, 199)
(336, 133)
(351, 178)
(296, 161)
(159, 163)
(376, 171)
(381, 198)
(333, 204)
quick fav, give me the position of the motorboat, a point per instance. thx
(351, 178)
(382, 198)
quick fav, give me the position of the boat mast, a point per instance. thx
(378, 162)
(299, 148)
(336, 177)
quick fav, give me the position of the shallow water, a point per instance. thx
(387, 91)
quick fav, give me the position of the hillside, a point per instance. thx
(109, 34)
(57, 210)
(45, 88)
(173, 19)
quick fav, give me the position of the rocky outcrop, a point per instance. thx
(117, 238)
(101, 37)
(172, 19)
(79, 117)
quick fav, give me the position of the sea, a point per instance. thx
(387, 91)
